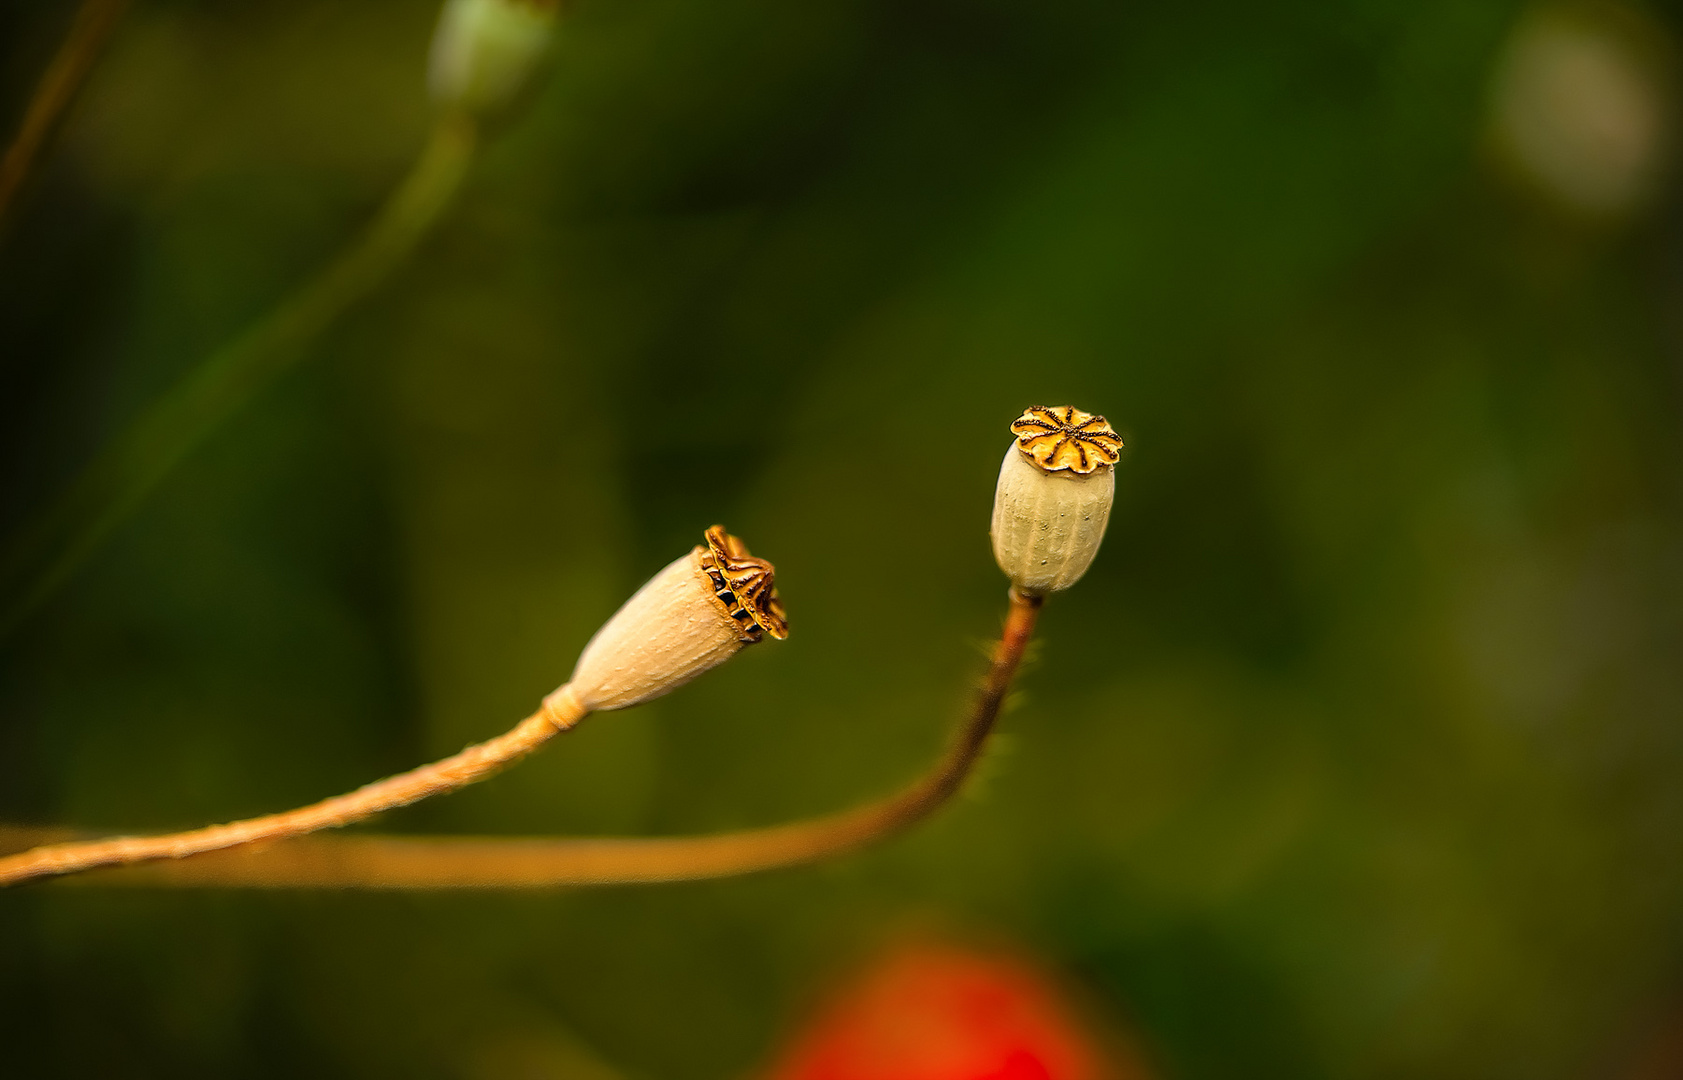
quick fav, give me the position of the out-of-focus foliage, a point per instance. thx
(1358, 753)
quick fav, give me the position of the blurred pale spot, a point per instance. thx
(1578, 109)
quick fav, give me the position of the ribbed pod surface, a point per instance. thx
(1047, 526)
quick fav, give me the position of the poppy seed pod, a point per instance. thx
(1053, 499)
(692, 616)
(484, 51)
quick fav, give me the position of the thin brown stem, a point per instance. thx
(389, 862)
(90, 30)
(560, 711)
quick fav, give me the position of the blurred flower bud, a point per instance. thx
(1053, 499)
(692, 616)
(1580, 107)
(484, 51)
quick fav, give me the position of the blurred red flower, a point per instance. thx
(937, 1013)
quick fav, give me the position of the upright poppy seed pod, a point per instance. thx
(1053, 499)
(484, 51)
(692, 616)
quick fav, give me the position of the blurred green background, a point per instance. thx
(1359, 752)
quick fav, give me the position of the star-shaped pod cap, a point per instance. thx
(1063, 437)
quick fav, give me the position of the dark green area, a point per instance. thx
(1359, 752)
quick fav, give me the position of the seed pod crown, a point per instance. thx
(744, 586)
(1064, 437)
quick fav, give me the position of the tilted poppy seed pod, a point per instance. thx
(484, 51)
(1053, 500)
(692, 616)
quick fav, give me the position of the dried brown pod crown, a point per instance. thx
(692, 616)
(1064, 437)
(1053, 498)
(744, 585)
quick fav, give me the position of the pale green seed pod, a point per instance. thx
(1053, 500)
(485, 51)
(692, 616)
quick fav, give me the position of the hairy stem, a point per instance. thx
(89, 32)
(389, 862)
(47, 553)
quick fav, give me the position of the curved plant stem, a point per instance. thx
(89, 32)
(389, 862)
(559, 712)
(47, 553)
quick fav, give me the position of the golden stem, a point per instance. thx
(560, 711)
(64, 76)
(388, 862)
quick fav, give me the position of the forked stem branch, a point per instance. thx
(390, 862)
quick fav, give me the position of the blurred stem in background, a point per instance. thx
(90, 30)
(50, 549)
(388, 862)
(484, 54)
